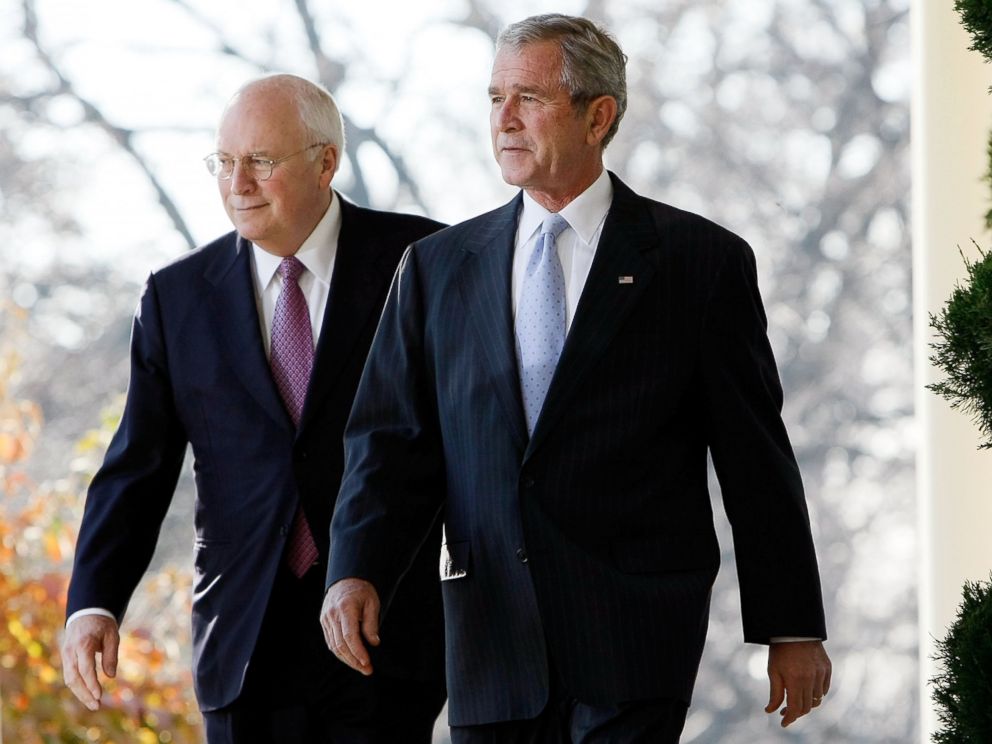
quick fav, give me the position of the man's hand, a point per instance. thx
(85, 638)
(799, 673)
(351, 612)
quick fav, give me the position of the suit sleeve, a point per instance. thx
(130, 494)
(393, 484)
(759, 478)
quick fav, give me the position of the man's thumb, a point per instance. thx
(109, 654)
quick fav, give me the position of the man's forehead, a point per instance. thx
(535, 66)
(259, 125)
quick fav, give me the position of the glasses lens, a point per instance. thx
(218, 166)
(258, 168)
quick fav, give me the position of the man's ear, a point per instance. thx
(328, 164)
(600, 115)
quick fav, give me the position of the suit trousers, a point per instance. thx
(566, 720)
(295, 690)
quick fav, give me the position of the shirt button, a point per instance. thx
(522, 555)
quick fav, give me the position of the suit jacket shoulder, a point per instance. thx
(692, 230)
(383, 227)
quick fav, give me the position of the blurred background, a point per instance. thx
(785, 120)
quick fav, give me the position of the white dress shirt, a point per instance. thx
(317, 253)
(576, 244)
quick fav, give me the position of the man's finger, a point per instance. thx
(351, 633)
(370, 622)
(776, 694)
(343, 651)
(86, 663)
(797, 704)
(74, 682)
(339, 647)
(87, 683)
(325, 626)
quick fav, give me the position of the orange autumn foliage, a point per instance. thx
(151, 701)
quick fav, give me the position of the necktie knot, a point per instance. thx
(554, 224)
(290, 269)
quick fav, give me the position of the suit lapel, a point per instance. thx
(358, 274)
(485, 288)
(620, 272)
(238, 327)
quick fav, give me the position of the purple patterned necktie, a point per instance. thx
(291, 359)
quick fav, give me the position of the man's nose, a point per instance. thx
(506, 117)
(242, 181)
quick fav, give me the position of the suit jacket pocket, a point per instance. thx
(455, 559)
(209, 556)
(683, 551)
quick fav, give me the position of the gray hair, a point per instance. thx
(592, 63)
(318, 111)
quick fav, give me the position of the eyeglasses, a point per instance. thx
(260, 169)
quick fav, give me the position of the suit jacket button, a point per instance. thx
(284, 529)
(528, 482)
(522, 555)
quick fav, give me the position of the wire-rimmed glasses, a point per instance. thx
(221, 165)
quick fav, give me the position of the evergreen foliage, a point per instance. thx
(988, 179)
(964, 348)
(963, 691)
(976, 17)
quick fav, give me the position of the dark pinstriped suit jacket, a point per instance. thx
(592, 543)
(199, 374)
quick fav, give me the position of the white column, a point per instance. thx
(952, 116)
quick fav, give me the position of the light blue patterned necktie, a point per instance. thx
(540, 323)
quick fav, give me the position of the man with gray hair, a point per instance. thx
(249, 350)
(549, 378)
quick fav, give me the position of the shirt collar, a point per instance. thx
(316, 252)
(584, 214)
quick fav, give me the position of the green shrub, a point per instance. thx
(963, 350)
(963, 691)
(976, 17)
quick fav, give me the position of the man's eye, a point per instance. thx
(496, 99)
(258, 163)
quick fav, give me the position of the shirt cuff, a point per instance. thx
(90, 611)
(791, 639)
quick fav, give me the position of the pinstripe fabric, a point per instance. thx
(593, 542)
(200, 377)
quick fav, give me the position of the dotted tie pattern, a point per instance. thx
(291, 360)
(540, 322)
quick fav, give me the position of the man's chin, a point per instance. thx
(513, 176)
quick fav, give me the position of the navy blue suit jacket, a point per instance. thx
(199, 375)
(591, 543)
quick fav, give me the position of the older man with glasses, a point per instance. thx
(249, 350)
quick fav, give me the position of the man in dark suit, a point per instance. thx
(250, 349)
(549, 376)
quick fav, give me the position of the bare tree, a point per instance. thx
(786, 120)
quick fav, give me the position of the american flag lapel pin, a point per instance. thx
(625, 279)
